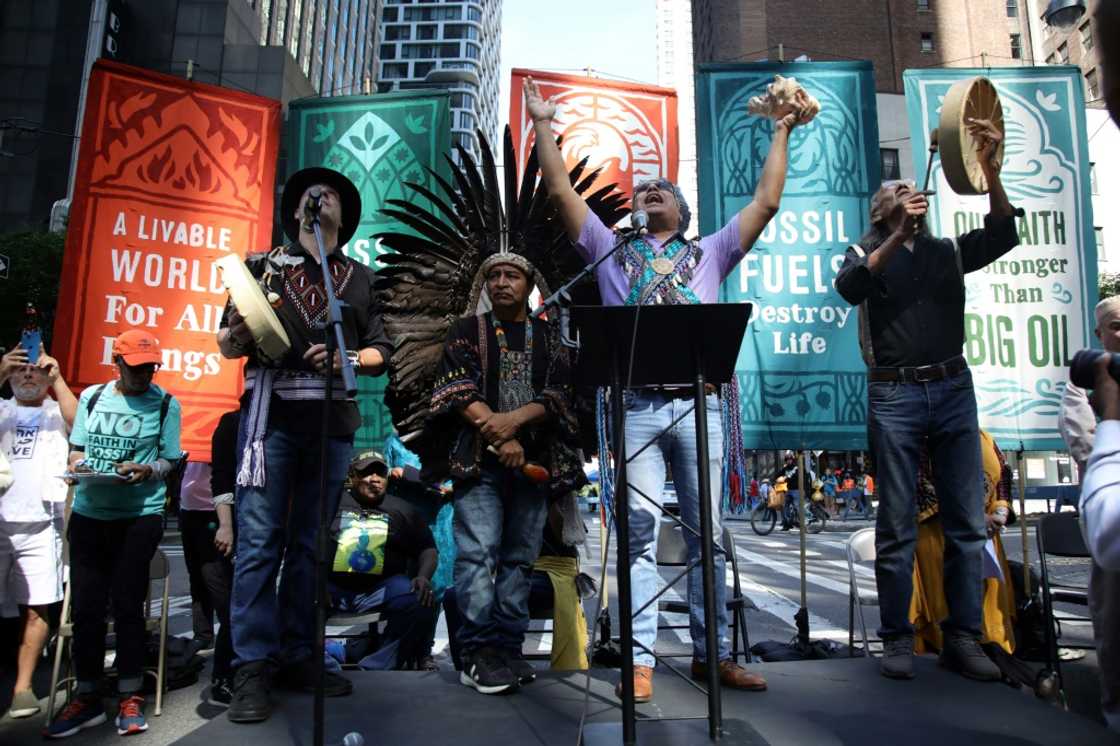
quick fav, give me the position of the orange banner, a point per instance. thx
(171, 175)
(627, 129)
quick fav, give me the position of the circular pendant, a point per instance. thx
(662, 266)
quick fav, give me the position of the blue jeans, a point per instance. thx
(499, 518)
(647, 414)
(900, 417)
(405, 638)
(279, 522)
(541, 598)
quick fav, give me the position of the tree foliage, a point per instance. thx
(1109, 284)
(34, 274)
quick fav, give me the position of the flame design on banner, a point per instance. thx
(171, 175)
(627, 130)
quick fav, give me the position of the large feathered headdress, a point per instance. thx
(430, 280)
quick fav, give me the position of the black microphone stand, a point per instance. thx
(334, 340)
(562, 298)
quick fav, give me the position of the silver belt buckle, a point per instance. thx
(920, 373)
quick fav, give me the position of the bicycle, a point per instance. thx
(764, 518)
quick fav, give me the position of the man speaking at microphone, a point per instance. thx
(277, 492)
(658, 265)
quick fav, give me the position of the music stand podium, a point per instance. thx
(671, 346)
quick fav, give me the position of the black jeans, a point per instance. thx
(109, 563)
(211, 579)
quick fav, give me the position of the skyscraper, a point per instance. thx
(455, 45)
(334, 42)
(282, 49)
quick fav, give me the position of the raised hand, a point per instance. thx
(914, 206)
(988, 137)
(49, 364)
(14, 358)
(539, 109)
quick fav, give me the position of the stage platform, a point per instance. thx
(810, 702)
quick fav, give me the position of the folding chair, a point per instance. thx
(860, 548)
(673, 552)
(1059, 535)
(362, 621)
(158, 570)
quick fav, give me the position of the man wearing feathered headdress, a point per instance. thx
(484, 396)
(663, 267)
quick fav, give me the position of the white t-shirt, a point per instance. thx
(34, 441)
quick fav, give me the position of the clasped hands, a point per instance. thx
(499, 429)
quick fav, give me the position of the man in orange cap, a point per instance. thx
(123, 443)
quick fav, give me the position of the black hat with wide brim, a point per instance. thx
(298, 183)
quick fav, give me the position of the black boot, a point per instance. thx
(251, 703)
(962, 653)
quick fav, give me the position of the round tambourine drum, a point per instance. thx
(974, 98)
(247, 296)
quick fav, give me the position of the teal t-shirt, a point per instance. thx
(123, 428)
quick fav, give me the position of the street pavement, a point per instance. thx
(770, 577)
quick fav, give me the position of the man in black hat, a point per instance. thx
(383, 560)
(278, 443)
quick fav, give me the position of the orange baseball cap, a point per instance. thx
(137, 347)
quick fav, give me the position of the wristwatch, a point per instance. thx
(354, 357)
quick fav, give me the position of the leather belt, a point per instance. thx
(920, 374)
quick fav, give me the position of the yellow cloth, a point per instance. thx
(928, 605)
(569, 628)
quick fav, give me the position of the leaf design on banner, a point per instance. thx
(376, 158)
(368, 139)
(415, 123)
(323, 132)
(1047, 101)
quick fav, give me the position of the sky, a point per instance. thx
(616, 38)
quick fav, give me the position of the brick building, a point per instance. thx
(894, 34)
(1077, 46)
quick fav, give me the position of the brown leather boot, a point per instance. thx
(643, 684)
(731, 675)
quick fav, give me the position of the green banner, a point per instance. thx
(379, 142)
(801, 377)
(1027, 313)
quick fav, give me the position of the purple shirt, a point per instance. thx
(721, 254)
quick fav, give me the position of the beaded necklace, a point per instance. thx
(515, 369)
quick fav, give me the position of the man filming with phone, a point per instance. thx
(33, 438)
(1096, 447)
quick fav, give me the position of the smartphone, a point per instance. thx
(30, 340)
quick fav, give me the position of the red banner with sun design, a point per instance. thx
(629, 130)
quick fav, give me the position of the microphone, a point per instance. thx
(639, 220)
(312, 206)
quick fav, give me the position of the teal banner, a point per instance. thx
(379, 142)
(1028, 312)
(801, 377)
